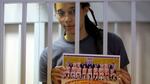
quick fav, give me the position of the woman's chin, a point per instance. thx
(70, 32)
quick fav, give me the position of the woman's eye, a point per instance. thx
(61, 13)
(72, 12)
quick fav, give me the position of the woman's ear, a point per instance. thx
(86, 9)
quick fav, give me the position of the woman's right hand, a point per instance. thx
(57, 74)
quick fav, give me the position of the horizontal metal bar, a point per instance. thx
(99, 0)
(78, 1)
(44, 1)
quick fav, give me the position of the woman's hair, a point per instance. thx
(92, 30)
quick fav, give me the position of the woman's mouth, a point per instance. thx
(70, 26)
(70, 29)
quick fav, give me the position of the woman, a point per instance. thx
(89, 35)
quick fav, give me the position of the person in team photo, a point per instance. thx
(89, 72)
(73, 71)
(95, 71)
(68, 70)
(78, 71)
(101, 72)
(84, 71)
(113, 75)
(106, 71)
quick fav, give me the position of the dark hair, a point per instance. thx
(93, 31)
(84, 4)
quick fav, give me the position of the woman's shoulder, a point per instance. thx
(60, 43)
(113, 36)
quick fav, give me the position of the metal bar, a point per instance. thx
(60, 30)
(41, 1)
(23, 43)
(116, 28)
(78, 0)
(39, 39)
(98, 0)
(2, 67)
(77, 27)
(105, 32)
(138, 61)
(94, 0)
(39, 29)
(133, 46)
(19, 61)
(50, 19)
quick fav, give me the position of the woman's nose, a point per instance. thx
(68, 18)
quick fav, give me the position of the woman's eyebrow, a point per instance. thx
(72, 7)
(59, 10)
(69, 8)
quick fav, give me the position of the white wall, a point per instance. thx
(30, 57)
(12, 54)
(143, 46)
(12, 57)
(121, 11)
(35, 13)
(144, 50)
(13, 13)
(117, 11)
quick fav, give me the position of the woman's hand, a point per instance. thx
(57, 74)
(124, 77)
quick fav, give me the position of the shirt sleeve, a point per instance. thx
(123, 54)
(117, 48)
(43, 67)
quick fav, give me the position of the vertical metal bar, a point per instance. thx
(37, 47)
(23, 43)
(105, 33)
(77, 27)
(50, 25)
(138, 57)
(133, 49)
(116, 28)
(19, 61)
(60, 30)
(39, 29)
(1, 42)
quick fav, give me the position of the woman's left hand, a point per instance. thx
(124, 77)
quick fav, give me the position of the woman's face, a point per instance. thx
(65, 13)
